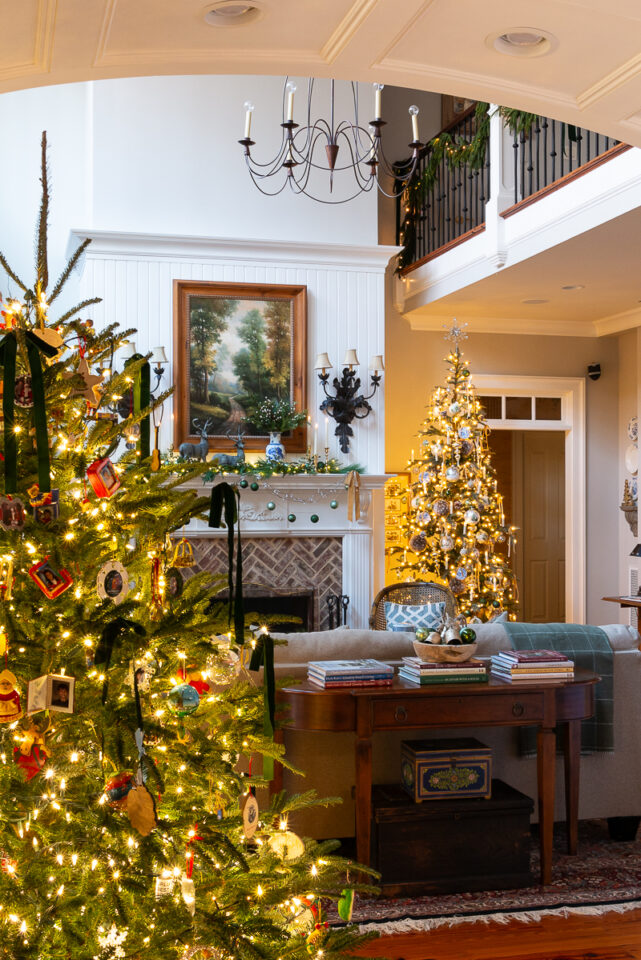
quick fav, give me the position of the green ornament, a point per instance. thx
(254, 486)
(314, 518)
(243, 483)
(271, 505)
(496, 604)
(291, 517)
(334, 504)
(468, 635)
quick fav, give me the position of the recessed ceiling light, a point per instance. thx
(522, 42)
(573, 286)
(535, 301)
(232, 13)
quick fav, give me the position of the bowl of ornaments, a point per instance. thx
(453, 643)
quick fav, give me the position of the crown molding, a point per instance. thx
(610, 82)
(42, 44)
(512, 326)
(618, 322)
(346, 29)
(109, 243)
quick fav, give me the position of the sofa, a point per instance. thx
(610, 782)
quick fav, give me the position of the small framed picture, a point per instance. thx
(51, 692)
(393, 537)
(173, 583)
(47, 509)
(52, 582)
(24, 392)
(393, 504)
(11, 513)
(112, 582)
(103, 477)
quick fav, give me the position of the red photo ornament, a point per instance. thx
(52, 582)
(103, 477)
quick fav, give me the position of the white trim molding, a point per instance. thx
(572, 423)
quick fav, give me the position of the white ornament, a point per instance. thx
(164, 886)
(112, 582)
(434, 637)
(188, 892)
(452, 473)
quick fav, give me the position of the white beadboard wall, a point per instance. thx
(134, 274)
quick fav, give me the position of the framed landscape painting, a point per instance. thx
(235, 345)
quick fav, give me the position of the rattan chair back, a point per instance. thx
(411, 592)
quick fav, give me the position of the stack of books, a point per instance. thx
(532, 665)
(350, 673)
(422, 671)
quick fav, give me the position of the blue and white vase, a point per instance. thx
(274, 449)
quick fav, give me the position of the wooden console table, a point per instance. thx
(365, 711)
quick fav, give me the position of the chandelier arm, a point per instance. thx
(344, 129)
(274, 164)
(266, 193)
(319, 128)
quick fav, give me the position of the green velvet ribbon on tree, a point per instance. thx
(8, 354)
(225, 497)
(263, 655)
(142, 399)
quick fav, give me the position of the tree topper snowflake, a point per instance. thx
(456, 332)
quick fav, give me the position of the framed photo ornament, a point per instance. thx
(52, 582)
(51, 692)
(11, 513)
(103, 477)
(112, 582)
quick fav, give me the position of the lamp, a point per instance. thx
(300, 150)
(347, 403)
(128, 351)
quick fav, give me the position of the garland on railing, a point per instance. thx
(457, 152)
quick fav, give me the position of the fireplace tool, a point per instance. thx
(337, 604)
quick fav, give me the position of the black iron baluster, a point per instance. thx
(545, 126)
(536, 160)
(553, 153)
(515, 148)
(530, 168)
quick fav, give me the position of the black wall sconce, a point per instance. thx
(347, 403)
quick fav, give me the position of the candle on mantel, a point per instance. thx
(309, 432)
(316, 439)
(326, 431)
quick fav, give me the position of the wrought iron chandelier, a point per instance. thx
(300, 152)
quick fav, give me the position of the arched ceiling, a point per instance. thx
(592, 77)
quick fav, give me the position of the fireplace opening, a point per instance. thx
(285, 602)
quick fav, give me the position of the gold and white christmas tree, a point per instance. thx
(456, 531)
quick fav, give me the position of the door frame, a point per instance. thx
(571, 390)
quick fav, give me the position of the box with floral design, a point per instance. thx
(442, 769)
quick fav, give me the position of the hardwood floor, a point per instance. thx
(610, 936)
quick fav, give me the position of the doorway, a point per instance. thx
(530, 468)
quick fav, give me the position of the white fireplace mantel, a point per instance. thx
(304, 497)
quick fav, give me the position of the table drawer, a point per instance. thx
(513, 708)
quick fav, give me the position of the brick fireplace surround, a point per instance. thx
(333, 554)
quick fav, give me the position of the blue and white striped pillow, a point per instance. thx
(403, 616)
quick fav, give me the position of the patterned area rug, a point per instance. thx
(604, 876)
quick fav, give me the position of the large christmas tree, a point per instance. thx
(129, 824)
(456, 530)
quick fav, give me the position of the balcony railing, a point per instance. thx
(549, 151)
(453, 206)
(546, 154)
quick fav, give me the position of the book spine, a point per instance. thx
(335, 677)
(425, 681)
(352, 683)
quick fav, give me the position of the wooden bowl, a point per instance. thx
(444, 652)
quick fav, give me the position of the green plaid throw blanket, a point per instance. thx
(590, 649)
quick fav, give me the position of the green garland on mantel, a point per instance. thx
(281, 468)
(457, 152)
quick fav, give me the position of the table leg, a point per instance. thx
(546, 749)
(572, 765)
(363, 798)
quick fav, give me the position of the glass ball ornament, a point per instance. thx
(474, 554)
(291, 517)
(333, 504)
(454, 408)
(418, 543)
(468, 635)
(243, 483)
(421, 633)
(500, 538)
(466, 448)
(482, 536)
(464, 433)
(441, 508)
(271, 505)
(496, 604)
(457, 587)
(461, 573)
(314, 518)
(446, 542)
(183, 699)
(253, 486)
(452, 473)
(437, 449)
(423, 517)
(472, 515)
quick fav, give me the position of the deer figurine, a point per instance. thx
(227, 459)
(191, 451)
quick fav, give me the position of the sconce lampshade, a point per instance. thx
(127, 350)
(351, 360)
(158, 355)
(376, 363)
(323, 362)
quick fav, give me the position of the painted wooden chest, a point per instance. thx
(444, 769)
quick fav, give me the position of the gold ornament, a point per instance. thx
(141, 810)
(184, 554)
(91, 390)
(287, 845)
